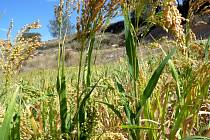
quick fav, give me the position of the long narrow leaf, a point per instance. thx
(174, 74)
(155, 77)
(86, 97)
(5, 130)
(15, 131)
(61, 89)
(130, 45)
(114, 109)
(61, 82)
(82, 112)
(81, 109)
(153, 81)
(124, 102)
(88, 60)
(179, 120)
(207, 50)
(128, 111)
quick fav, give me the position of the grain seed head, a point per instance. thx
(14, 54)
(170, 19)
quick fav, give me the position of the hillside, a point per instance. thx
(109, 45)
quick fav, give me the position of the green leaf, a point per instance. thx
(62, 100)
(178, 121)
(87, 69)
(153, 81)
(5, 130)
(175, 75)
(15, 131)
(120, 87)
(129, 114)
(114, 109)
(124, 102)
(84, 100)
(207, 50)
(81, 110)
(131, 43)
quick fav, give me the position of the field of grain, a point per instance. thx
(157, 90)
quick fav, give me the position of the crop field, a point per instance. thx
(162, 95)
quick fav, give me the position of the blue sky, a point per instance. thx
(24, 12)
(27, 11)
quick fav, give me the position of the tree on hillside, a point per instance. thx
(32, 35)
(66, 28)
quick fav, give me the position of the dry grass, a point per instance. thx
(161, 96)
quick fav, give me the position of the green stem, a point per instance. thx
(78, 84)
(61, 82)
(88, 59)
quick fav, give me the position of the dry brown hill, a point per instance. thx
(108, 46)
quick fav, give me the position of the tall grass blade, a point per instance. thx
(88, 59)
(5, 129)
(124, 102)
(15, 131)
(175, 75)
(63, 100)
(207, 50)
(61, 89)
(84, 101)
(80, 115)
(61, 81)
(52, 118)
(130, 44)
(114, 109)
(178, 121)
(128, 111)
(153, 81)
(81, 111)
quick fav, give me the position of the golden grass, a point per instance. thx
(142, 102)
(13, 54)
